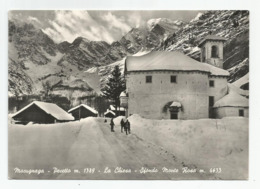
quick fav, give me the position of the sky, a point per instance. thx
(109, 26)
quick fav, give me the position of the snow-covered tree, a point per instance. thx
(114, 86)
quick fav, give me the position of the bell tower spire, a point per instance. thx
(212, 50)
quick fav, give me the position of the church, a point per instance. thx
(171, 85)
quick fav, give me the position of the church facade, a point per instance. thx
(171, 85)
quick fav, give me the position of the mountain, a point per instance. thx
(30, 50)
(33, 60)
(80, 68)
(234, 25)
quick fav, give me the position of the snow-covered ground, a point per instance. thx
(152, 144)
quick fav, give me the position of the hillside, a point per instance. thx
(80, 68)
(234, 25)
(30, 50)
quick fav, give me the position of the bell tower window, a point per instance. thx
(203, 54)
(214, 52)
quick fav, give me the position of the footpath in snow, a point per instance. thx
(87, 149)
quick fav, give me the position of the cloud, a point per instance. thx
(116, 22)
(135, 19)
(68, 25)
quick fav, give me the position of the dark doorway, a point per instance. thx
(211, 104)
(174, 115)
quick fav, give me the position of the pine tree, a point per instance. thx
(114, 86)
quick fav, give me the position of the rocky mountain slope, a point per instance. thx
(81, 66)
(34, 58)
(234, 25)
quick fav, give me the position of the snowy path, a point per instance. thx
(89, 144)
(118, 150)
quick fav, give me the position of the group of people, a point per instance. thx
(125, 125)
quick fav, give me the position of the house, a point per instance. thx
(109, 114)
(83, 111)
(171, 85)
(120, 110)
(41, 112)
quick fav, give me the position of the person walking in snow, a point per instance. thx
(122, 124)
(112, 124)
(127, 127)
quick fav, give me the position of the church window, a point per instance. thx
(214, 51)
(241, 113)
(211, 83)
(203, 54)
(148, 79)
(173, 79)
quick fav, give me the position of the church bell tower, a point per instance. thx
(212, 50)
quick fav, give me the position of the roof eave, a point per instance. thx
(204, 41)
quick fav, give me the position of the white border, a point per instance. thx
(254, 158)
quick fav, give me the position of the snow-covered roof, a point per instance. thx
(212, 37)
(233, 88)
(84, 106)
(51, 109)
(232, 100)
(175, 104)
(173, 60)
(215, 71)
(111, 107)
(122, 94)
(109, 111)
(243, 80)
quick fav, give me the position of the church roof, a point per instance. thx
(165, 60)
(211, 37)
(215, 71)
(232, 100)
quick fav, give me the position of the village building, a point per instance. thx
(83, 111)
(120, 111)
(109, 114)
(41, 112)
(171, 85)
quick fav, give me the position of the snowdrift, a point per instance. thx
(205, 143)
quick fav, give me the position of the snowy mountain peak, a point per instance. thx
(79, 40)
(197, 17)
(163, 22)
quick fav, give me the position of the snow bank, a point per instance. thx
(117, 120)
(206, 143)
